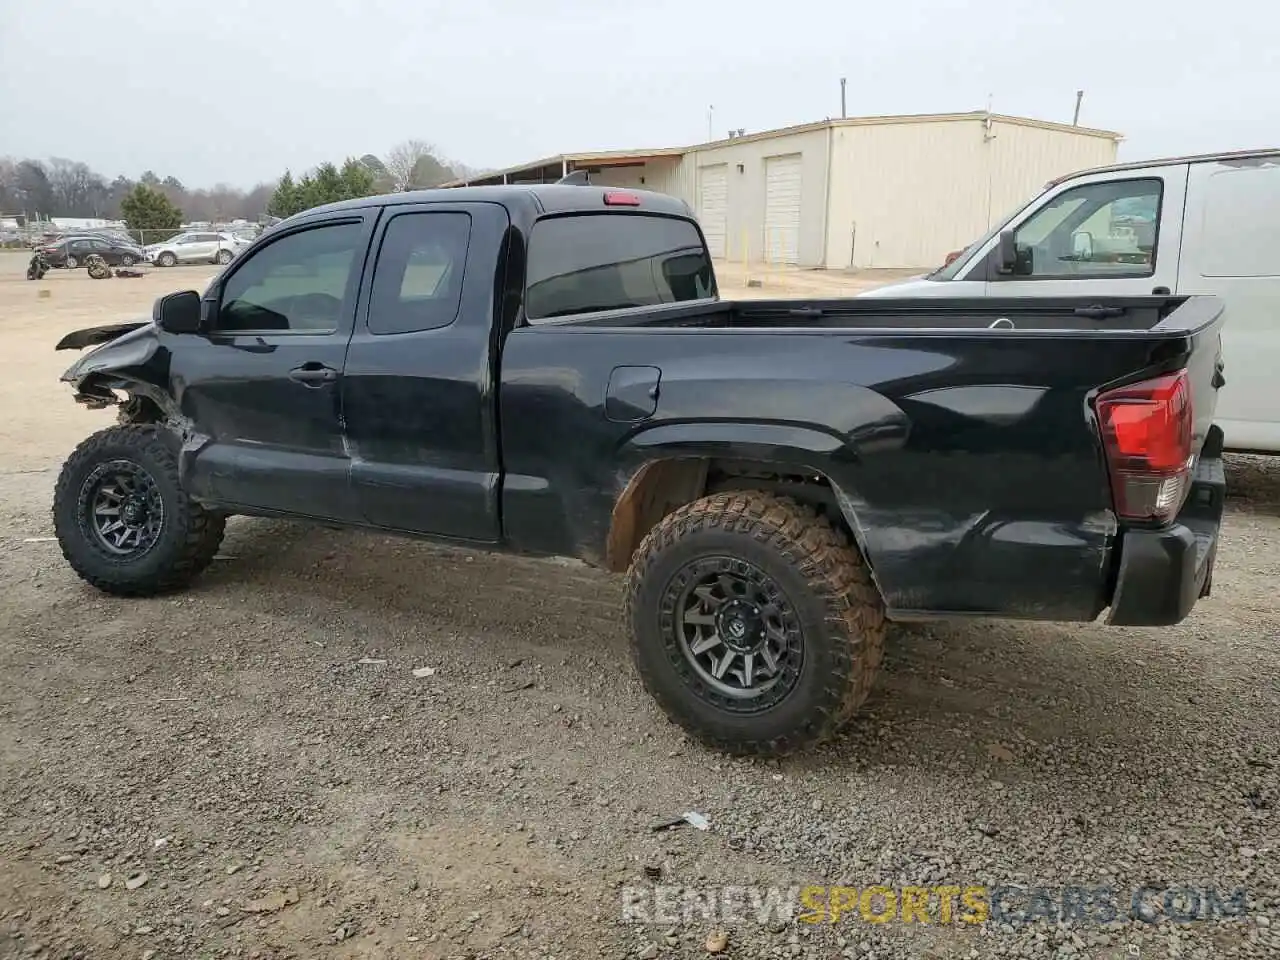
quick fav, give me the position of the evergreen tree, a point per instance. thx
(151, 216)
(284, 202)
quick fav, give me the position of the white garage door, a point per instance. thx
(782, 208)
(713, 204)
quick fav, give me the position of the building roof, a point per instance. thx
(598, 158)
(616, 157)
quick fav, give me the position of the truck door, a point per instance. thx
(263, 381)
(1232, 250)
(419, 394)
(1111, 234)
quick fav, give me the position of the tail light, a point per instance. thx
(1146, 434)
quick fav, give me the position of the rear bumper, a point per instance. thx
(1164, 572)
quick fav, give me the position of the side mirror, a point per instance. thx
(1082, 245)
(178, 312)
(1006, 253)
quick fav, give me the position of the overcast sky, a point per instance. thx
(237, 90)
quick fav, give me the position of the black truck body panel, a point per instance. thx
(966, 460)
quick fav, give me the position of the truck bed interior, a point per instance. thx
(1026, 313)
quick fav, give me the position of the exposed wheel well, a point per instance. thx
(139, 409)
(663, 486)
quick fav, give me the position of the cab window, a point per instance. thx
(298, 284)
(1107, 229)
(598, 261)
(417, 283)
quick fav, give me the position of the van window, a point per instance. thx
(601, 261)
(1241, 213)
(1106, 229)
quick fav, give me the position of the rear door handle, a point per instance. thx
(313, 374)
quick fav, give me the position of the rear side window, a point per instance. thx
(601, 261)
(1241, 213)
(417, 282)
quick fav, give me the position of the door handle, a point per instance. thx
(313, 374)
(1160, 292)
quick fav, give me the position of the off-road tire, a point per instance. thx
(97, 267)
(166, 259)
(189, 535)
(824, 578)
(224, 257)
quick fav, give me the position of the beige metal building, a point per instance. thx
(862, 192)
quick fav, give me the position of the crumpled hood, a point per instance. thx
(91, 336)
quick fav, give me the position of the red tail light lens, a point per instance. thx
(617, 199)
(1146, 433)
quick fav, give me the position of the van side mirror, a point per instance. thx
(1082, 245)
(178, 312)
(1006, 253)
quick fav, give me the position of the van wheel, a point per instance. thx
(754, 625)
(123, 521)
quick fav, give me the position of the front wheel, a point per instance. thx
(166, 259)
(127, 260)
(123, 521)
(754, 624)
(224, 257)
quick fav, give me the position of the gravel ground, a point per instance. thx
(254, 768)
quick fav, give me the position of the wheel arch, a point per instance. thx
(144, 402)
(682, 463)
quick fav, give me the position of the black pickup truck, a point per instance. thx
(550, 370)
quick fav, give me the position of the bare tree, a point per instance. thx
(77, 190)
(8, 184)
(414, 164)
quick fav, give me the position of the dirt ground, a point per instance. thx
(253, 768)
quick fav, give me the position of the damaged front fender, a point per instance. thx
(127, 357)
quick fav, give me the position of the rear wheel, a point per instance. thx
(755, 626)
(123, 520)
(72, 262)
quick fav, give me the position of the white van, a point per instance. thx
(1189, 225)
